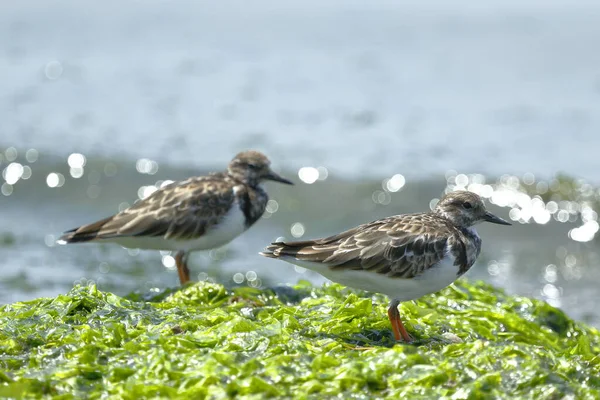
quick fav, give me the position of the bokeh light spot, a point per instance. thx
(169, 262)
(26, 172)
(50, 240)
(55, 179)
(145, 191)
(251, 276)
(53, 70)
(395, 183)
(31, 155)
(11, 154)
(76, 160)
(308, 175)
(528, 178)
(433, 203)
(76, 172)
(299, 269)
(146, 166)
(238, 278)
(297, 230)
(462, 180)
(104, 268)
(12, 173)
(323, 173)
(6, 189)
(272, 206)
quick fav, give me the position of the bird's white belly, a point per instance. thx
(432, 280)
(231, 226)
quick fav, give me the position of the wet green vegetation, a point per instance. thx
(471, 341)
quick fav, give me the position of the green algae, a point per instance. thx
(471, 341)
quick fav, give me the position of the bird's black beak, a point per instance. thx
(489, 217)
(272, 176)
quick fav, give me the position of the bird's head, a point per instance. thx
(465, 209)
(253, 167)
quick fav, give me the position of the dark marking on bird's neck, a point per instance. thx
(252, 201)
(468, 251)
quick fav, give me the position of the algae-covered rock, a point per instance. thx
(471, 341)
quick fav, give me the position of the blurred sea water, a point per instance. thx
(373, 108)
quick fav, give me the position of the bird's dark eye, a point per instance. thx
(252, 166)
(467, 205)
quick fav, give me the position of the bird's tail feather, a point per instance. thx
(307, 250)
(84, 233)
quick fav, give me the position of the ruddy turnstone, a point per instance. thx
(199, 213)
(404, 256)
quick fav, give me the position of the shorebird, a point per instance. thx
(199, 213)
(403, 256)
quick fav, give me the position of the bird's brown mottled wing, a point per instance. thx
(401, 246)
(180, 211)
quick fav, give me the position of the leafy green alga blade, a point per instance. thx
(471, 341)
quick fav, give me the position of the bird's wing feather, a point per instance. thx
(402, 246)
(182, 210)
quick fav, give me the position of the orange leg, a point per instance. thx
(182, 268)
(397, 325)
